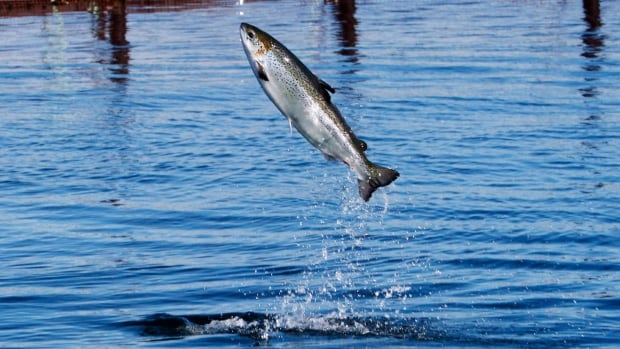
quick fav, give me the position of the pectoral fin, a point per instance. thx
(262, 74)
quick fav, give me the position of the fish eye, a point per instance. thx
(251, 34)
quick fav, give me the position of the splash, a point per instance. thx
(338, 279)
(338, 293)
(261, 327)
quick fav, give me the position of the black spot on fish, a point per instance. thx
(261, 72)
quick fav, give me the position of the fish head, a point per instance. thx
(255, 41)
(257, 46)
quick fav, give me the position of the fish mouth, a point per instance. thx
(247, 38)
(252, 51)
(245, 27)
(242, 32)
(247, 30)
(245, 41)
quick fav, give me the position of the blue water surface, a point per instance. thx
(151, 195)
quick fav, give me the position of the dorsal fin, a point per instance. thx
(326, 86)
(325, 89)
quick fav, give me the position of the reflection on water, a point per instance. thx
(591, 37)
(54, 57)
(344, 12)
(111, 25)
(593, 44)
(44, 7)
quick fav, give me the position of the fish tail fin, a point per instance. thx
(379, 177)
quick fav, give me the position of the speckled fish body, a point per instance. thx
(305, 100)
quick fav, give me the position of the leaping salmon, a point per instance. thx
(306, 102)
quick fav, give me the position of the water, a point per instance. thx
(152, 195)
